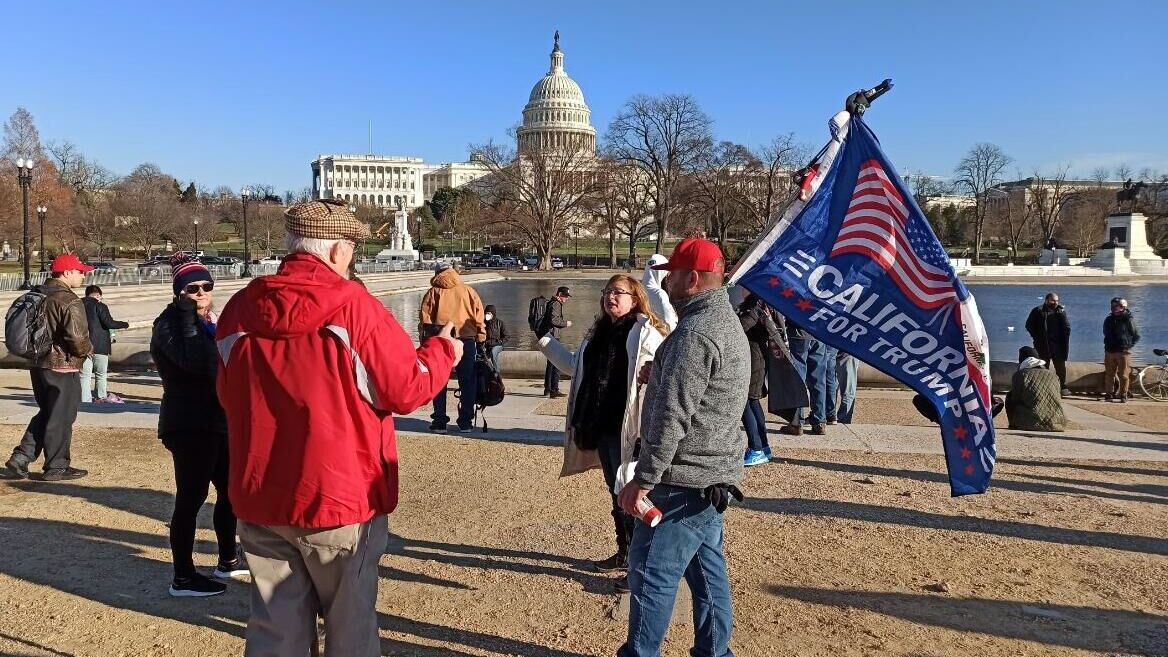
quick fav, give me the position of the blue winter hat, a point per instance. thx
(185, 269)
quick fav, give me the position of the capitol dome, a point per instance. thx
(556, 116)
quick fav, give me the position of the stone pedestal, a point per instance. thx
(1112, 260)
(1053, 257)
(1129, 231)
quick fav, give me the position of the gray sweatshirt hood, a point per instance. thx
(652, 279)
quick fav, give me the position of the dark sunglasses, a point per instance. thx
(194, 288)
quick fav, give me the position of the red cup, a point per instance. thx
(647, 512)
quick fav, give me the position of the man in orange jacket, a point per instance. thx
(451, 301)
(312, 368)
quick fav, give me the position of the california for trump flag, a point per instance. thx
(855, 262)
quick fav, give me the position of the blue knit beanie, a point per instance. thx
(186, 269)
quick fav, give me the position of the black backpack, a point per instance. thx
(26, 334)
(490, 390)
(536, 310)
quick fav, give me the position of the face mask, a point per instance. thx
(489, 316)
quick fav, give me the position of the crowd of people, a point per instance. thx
(665, 398)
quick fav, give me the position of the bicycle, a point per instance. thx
(1154, 378)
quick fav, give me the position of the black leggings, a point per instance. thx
(609, 452)
(199, 462)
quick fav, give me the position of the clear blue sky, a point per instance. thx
(238, 93)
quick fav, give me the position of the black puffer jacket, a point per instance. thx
(184, 353)
(1051, 331)
(1120, 333)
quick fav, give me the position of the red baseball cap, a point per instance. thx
(695, 254)
(69, 262)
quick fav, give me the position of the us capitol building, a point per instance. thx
(555, 117)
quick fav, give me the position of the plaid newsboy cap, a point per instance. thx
(325, 219)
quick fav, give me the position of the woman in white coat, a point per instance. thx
(604, 402)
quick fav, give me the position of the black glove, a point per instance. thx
(719, 495)
(188, 315)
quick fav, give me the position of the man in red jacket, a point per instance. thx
(312, 367)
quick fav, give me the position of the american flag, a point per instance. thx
(879, 224)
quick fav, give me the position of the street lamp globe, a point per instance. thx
(245, 192)
(20, 163)
(42, 209)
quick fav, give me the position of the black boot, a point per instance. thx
(620, 560)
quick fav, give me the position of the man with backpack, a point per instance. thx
(550, 324)
(50, 322)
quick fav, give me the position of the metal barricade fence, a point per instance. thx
(159, 274)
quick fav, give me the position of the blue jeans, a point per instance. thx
(847, 370)
(467, 389)
(755, 423)
(687, 543)
(816, 378)
(829, 356)
(495, 351)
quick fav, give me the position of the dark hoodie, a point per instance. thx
(496, 329)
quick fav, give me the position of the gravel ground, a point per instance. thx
(834, 553)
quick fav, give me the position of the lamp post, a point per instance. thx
(196, 235)
(41, 212)
(576, 230)
(24, 175)
(244, 195)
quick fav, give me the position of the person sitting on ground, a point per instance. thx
(1034, 402)
(604, 400)
(496, 334)
(96, 367)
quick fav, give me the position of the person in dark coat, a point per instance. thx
(761, 333)
(97, 365)
(496, 334)
(193, 426)
(1120, 335)
(1050, 329)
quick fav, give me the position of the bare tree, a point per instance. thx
(1046, 197)
(1123, 171)
(1086, 215)
(95, 225)
(146, 207)
(978, 172)
(624, 207)
(665, 137)
(21, 137)
(718, 189)
(540, 194)
(767, 184)
(1010, 219)
(86, 178)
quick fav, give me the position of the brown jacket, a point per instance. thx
(68, 326)
(451, 300)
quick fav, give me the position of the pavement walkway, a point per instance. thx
(518, 419)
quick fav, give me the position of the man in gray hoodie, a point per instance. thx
(690, 458)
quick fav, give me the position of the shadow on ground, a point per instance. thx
(1111, 629)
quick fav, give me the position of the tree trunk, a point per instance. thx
(632, 250)
(611, 247)
(661, 215)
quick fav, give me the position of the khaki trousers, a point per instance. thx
(298, 573)
(1117, 365)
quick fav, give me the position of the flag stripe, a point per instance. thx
(874, 226)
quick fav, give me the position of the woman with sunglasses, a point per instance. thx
(192, 425)
(604, 402)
